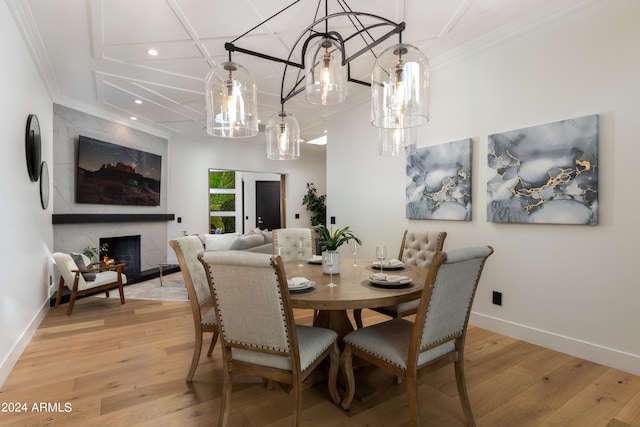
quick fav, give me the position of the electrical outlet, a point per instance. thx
(297, 216)
(497, 298)
(333, 220)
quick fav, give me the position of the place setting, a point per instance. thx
(381, 264)
(315, 259)
(384, 280)
(300, 284)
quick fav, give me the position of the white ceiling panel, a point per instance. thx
(139, 21)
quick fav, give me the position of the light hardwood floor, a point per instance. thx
(122, 365)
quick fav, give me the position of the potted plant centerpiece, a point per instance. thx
(330, 241)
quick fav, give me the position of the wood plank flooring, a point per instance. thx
(123, 365)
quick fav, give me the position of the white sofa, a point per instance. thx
(260, 241)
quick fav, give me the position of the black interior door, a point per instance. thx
(268, 205)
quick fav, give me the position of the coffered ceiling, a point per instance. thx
(93, 53)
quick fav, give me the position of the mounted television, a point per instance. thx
(111, 174)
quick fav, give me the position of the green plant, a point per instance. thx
(93, 253)
(315, 204)
(331, 241)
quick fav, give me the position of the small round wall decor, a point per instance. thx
(44, 185)
(33, 147)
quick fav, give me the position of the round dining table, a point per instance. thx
(353, 291)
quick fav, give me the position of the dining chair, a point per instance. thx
(436, 337)
(418, 248)
(258, 333)
(85, 278)
(288, 238)
(187, 249)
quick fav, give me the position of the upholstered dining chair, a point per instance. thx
(436, 337)
(258, 333)
(418, 248)
(288, 239)
(86, 279)
(187, 249)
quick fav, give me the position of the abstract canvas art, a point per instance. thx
(545, 174)
(439, 182)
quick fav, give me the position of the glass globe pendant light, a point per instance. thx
(397, 141)
(399, 88)
(283, 137)
(231, 101)
(326, 77)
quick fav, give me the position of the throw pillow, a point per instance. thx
(79, 259)
(220, 242)
(246, 242)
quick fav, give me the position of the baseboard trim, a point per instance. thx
(585, 350)
(12, 358)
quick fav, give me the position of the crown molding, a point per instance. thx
(23, 18)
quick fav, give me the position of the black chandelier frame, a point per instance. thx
(362, 31)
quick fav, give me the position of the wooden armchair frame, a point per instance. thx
(96, 267)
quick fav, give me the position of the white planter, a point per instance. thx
(336, 267)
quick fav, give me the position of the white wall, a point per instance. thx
(571, 288)
(25, 259)
(191, 157)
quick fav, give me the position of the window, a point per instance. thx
(222, 201)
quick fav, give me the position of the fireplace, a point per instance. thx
(124, 249)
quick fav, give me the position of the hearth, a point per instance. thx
(124, 249)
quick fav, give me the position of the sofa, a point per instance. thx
(256, 240)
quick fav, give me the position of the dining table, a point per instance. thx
(353, 290)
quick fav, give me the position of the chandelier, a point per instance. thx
(399, 81)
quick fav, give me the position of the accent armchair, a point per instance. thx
(87, 279)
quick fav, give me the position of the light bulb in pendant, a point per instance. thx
(326, 76)
(283, 138)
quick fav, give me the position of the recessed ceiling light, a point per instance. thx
(134, 118)
(152, 52)
(138, 101)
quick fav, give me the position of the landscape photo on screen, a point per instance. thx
(116, 175)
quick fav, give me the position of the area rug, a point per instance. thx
(172, 289)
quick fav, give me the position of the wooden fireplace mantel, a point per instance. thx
(106, 218)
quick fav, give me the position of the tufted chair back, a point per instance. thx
(419, 246)
(288, 239)
(187, 249)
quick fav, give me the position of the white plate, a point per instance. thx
(302, 286)
(316, 259)
(388, 266)
(392, 280)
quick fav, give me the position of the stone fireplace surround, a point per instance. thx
(76, 226)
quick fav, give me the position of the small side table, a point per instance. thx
(161, 266)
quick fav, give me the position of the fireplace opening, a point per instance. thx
(124, 249)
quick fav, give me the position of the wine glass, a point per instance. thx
(381, 254)
(277, 251)
(330, 263)
(300, 248)
(354, 246)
